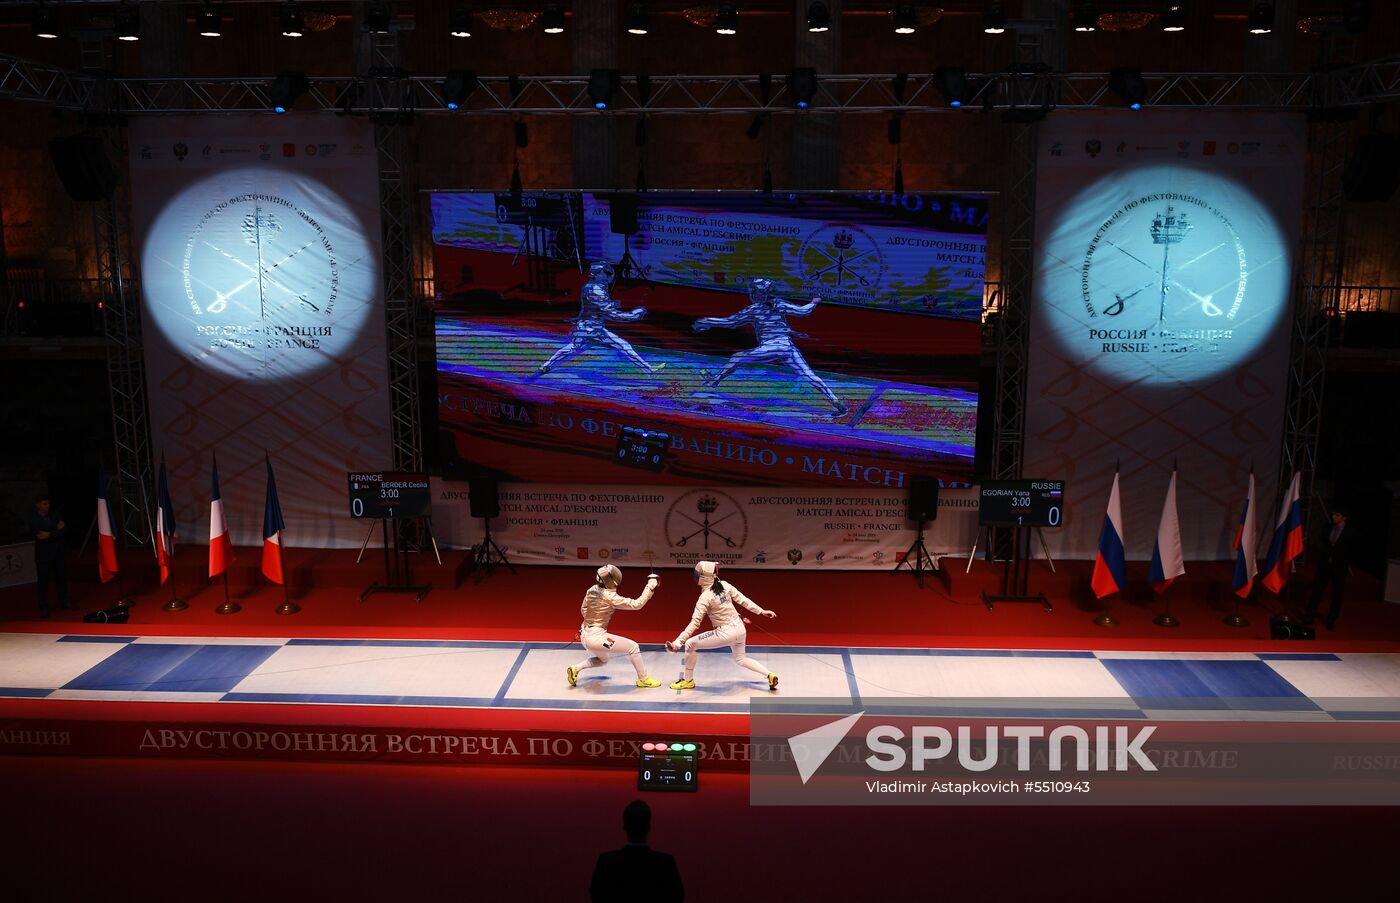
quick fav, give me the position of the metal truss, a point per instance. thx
(541, 95)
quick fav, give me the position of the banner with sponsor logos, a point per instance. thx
(262, 304)
(673, 526)
(1160, 321)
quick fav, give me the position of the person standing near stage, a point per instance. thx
(49, 533)
(717, 601)
(599, 603)
(1332, 569)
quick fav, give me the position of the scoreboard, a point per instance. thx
(668, 765)
(389, 494)
(643, 448)
(1021, 503)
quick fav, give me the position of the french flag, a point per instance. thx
(1287, 543)
(165, 526)
(1168, 563)
(220, 543)
(1110, 569)
(1246, 546)
(272, 531)
(106, 539)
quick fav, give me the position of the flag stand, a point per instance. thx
(1166, 618)
(288, 607)
(124, 599)
(229, 607)
(1107, 619)
(175, 603)
(1234, 618)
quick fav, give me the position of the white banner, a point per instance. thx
(17, 565)
(1160, 320)
(675, 526)
(263, 314)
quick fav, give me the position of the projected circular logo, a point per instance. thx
(840, 258)
(265, 283)
(704, 520)
(1180, 276)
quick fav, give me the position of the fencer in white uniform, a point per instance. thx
(717, 601)
(599, 603)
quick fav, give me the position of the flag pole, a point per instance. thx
(288, 607)
(229, 607)
(175, 603)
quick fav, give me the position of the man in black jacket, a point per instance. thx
(1333, 567)
(636, 872)
(48, 531)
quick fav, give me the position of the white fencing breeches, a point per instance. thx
(603, 644)
(734, 636)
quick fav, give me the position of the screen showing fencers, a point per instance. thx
(785, 339)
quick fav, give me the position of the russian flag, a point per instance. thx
(1287, 543)
(1168, 563)
(1246, 546)
(1110, 569)
(106, 539)
(220, 543)
(272, 531)
(165, 525)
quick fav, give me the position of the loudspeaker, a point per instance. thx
(485, 501)
(1373, 172)
(83, 168)
(622, 214)
(114, 615)
(1289, 630)
(923, 499)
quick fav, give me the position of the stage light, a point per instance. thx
(1261, 17)
(601, 85)
(286, 88)
(994, 19)
(44, 24)
(293, 20)
(638, 22)
(377, 18)
(803, 85)
(727, 21)
(951, 82)
(460, 21)
(127, 23)
(1128, 85)
(211, 24)
(1086, 17)
(1174, 17)
(1356, 16)
(458, 86)
(818, 17)
(553, 19)
(906, 20)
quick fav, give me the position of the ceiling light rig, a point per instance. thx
(553, 19)
(818, 17)
(1086, 17)
(727, 21)
(994, 18)
(293, 20)
(906, 19)
(459, 21)
(1174, 17)
(638, 21)
(1261, 17)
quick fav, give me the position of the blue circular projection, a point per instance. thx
(1162, 275)
(259, 274)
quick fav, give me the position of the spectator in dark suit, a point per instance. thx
(47, 529)
(1332, 568)
(636, 872)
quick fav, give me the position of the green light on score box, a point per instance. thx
(689, 747)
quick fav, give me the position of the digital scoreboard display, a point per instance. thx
(642, 448)
(1022, 503)
(668, 765)
(389, 494)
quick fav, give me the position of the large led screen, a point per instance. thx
(790, 339)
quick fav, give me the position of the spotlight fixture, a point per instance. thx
(906, 19)
(459, 85)
(818, 17)
(286, 88)
(44, 24)
(1174, 17)
(553, 19)
(994, 19)
(1128, 85)
(127, 23)
(756, 126)
(377, 18)
(211, 24)
(293, 20)
(460, 21)
(951, 82)
(1086, 17)
(803, 85)
(727, 21)
(602, 83)
(1261, 17)
(638, 22)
